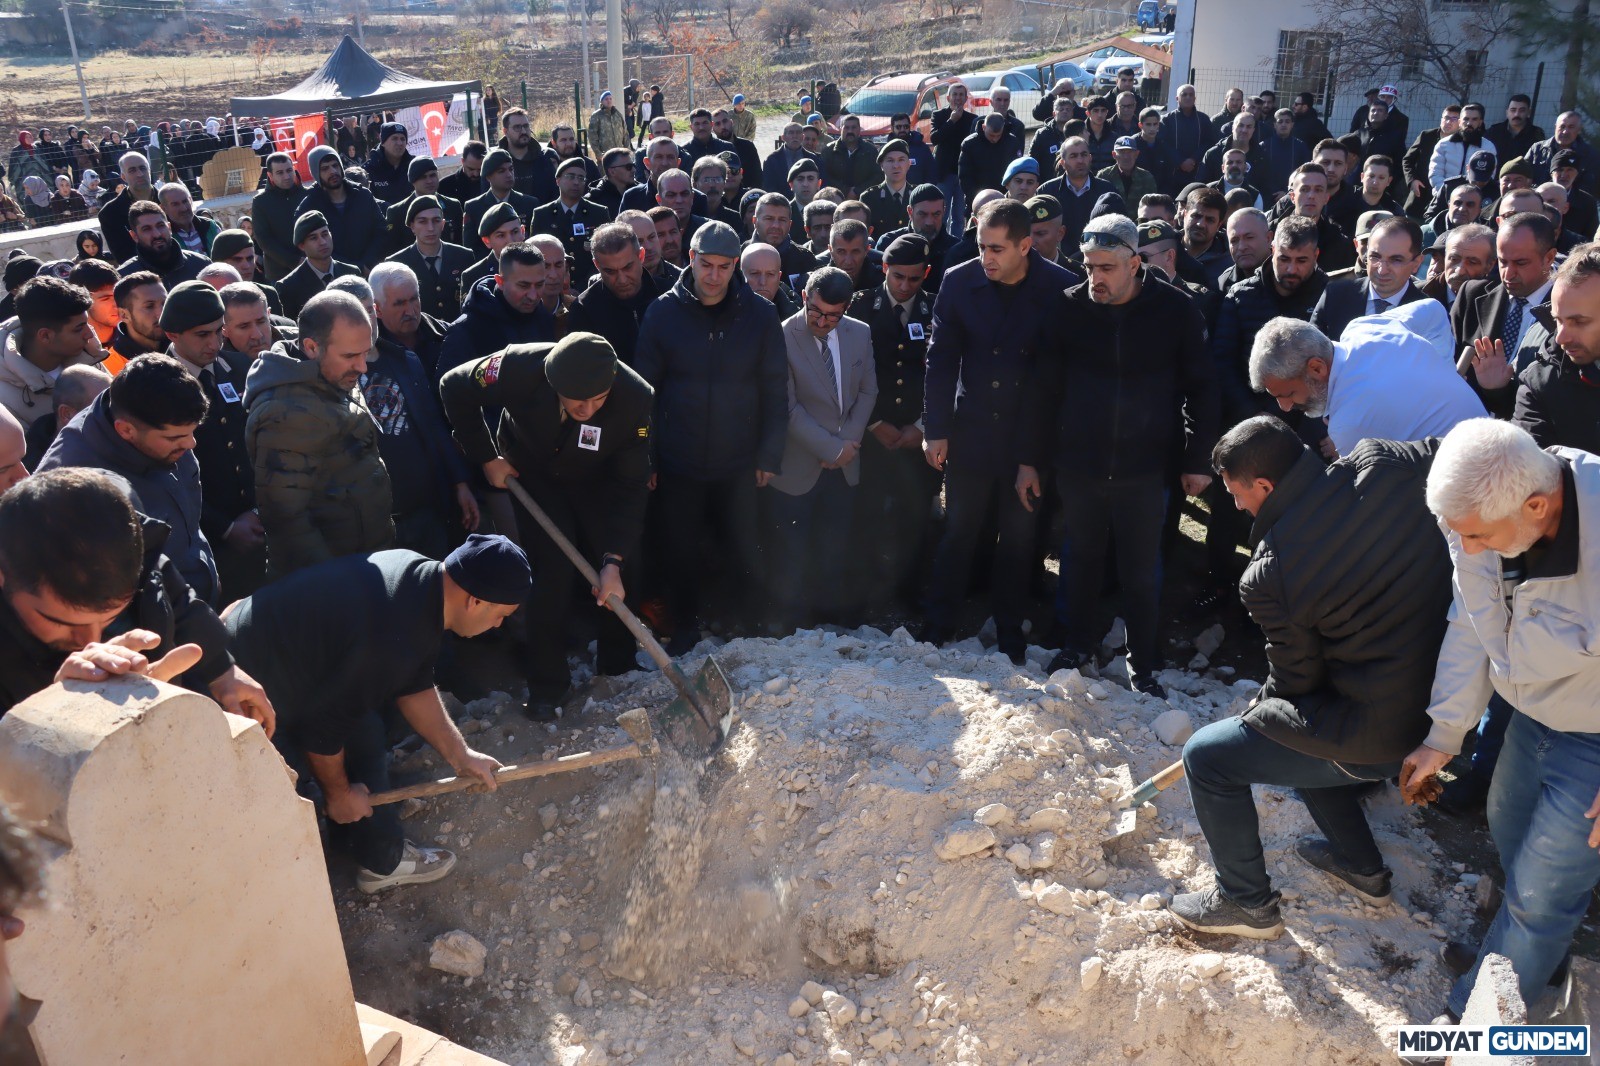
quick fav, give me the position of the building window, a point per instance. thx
(1305, 60)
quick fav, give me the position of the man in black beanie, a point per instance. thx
(576, 433)
(389, 164)
(297, 633)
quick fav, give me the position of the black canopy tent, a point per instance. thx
(351, 81)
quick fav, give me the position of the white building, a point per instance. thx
(1260, 44)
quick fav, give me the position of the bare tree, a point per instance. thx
(1377, 38)
(782, 20)
(663, 15)
(633, 17)
(859, 14)
(734, 15)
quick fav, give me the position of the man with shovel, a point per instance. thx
(576, 432)
(1350, 584)
(337, 644)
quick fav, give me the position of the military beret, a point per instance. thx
(803, 166)
(896, 145)
(908, 249)
(229, 243)
(1026, 165)
(1518, 165)
(307, 224)
(420, 204)
(926, 193)
(497, 158)
(191, 304)
(1155, 231)
(1043, 208)
(581, 366)
(420, 167)
(495, 217)
(570, 162)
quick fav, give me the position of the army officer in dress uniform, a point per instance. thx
(437, 263)
(572, 220)
(192, 318)
(575, 431)
(424, 177)
(898, 485)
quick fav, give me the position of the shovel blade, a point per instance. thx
(688, 729)
(1127, 822)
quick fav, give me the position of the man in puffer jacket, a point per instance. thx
(321, 485)
(51, 331)
(1350, 584)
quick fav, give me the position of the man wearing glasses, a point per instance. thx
(535, 173)
(832, 389)
(1112, 428)
(616, 178)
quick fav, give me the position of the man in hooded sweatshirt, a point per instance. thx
(321, 485)
(353, 214)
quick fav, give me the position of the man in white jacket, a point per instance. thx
(1523, 527)
(1452, 153)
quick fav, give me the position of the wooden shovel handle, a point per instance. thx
(1168, 777)
(578, 761)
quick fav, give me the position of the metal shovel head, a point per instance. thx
(701, 731)
(1127, 822)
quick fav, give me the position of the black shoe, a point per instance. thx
(1374, 888)
(1014, 645)
(1212, 912)
(542, 709)
(1457, 957)
(1149, 686)
(1069, 659)
(936, 635)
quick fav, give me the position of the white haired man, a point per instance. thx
(1523, 539)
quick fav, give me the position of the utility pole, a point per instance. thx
(614, 78)
(72, 42)
(588, 77)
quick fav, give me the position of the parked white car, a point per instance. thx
(1025, 92)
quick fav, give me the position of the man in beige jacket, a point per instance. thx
(51, 331)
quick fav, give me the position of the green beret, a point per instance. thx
(422, 203)
(570, 162)
(497, 158)
(896, 145)
(908, 249)
(1043, 208)
(191, 304)
(495, 217)
(229, 243)
(581, 366)
(307, 224)
(802, 166)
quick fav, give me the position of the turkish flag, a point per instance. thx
(281, 131)
(433, 123)
(307, 135)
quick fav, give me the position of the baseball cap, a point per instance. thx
(1481, 165)
(1390, 91)
(1125, 142)
(1369, 219)
(1154, 232)
(1043, 208)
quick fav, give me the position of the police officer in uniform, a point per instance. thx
(898, 485)
(572, 219)
(424, 176)
(438, 264)
(192, 318)
(575, 431)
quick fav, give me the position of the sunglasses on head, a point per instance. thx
(1105, 240)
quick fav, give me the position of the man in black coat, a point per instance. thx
(113, 214)
(1497, 310)
(401, 320)
(504, 308)
(272, 214)
(615, 302)
(1414, 164)
(1394, 255)
(899, 486)
(952, 125)
(1516, 134)
(350, 212)
(467, 183)
(715, 354)
(534, 169)
(1113, 430)
(1077, 190)
(500, 172)
(985, 156)
(53, 616)
(156, 249)
(388, 167)
(1351, 650)
(1379, 136)
(745, 149)
(575, 432)
(992, 320)
(314, 239)
(1558, 396)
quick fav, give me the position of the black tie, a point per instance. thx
(900, 309)
(208, 380)
(433, 264)
(323, 279)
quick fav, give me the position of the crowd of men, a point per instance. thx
(844, 380)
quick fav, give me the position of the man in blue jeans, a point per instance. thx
(1525, 541)
(1350, 584)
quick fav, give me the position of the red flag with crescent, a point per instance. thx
(434, 118)
(282, 133)
(307, 135)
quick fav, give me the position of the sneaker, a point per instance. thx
(418, 866)
(1212, 912)
(1374, 888)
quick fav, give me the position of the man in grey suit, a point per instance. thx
(832, 389)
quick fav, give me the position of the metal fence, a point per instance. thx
(1422, 103)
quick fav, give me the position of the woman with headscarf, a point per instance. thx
(36, 200)
(12, 217)
(110, 146)
(67, 202)
(90, 245)
(25, 160)
(261, 144)
(89, 188)
(84, 156)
